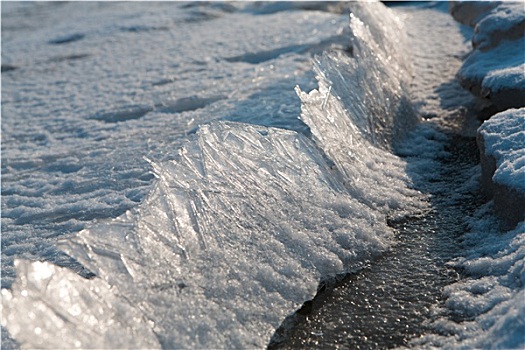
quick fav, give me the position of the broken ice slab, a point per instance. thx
(235, 236)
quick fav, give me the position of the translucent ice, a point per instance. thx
(58, 312)
(235, 236)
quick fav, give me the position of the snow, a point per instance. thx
(246, 218)
(504, 139)
(495, 70)
(75, 130)
(505, 21)
(471, 12)
(491, 297)
(59, 304)
(235, 235)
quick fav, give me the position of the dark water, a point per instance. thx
(393, 299)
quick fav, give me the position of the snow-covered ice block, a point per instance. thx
(492, 21)
(471, 12)
(497, 75)
(501, 140)
(505, 22)
(495, 70)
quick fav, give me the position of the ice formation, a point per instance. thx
(242, 226)
(236, 235)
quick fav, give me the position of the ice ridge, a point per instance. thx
(243, 224)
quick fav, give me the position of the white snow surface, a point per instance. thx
(505, 21)
(471, 12)
(498, 60)
(492, 297)
(131, 81)
(500, 68)
(504, 139)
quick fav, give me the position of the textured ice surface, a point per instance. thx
(367, 86)
(235, 232)
(60, 313)
(471, 12)
(490, 299)
(504, 139)
(235, 235)
(361, 108)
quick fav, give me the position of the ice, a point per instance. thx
(361, 109)
(490, 298)
(235, 236)
(504, 139)
(60, 313)
(78, 118)
(235, 231)
(368, 88)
